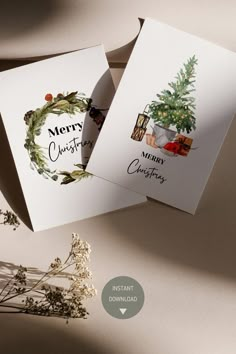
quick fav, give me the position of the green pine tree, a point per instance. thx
(176, 107)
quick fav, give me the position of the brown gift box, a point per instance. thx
(185, 144)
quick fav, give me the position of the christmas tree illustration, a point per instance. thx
(175, 106)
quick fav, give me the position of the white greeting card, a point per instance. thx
(169, 117)
(53, 111)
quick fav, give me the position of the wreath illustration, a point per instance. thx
(70, 103)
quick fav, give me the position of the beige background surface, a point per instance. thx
(186, 264)
(36, 28)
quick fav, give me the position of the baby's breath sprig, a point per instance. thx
(9, 218)
(44, 299)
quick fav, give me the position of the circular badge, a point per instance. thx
(122, 297)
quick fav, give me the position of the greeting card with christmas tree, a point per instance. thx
(169, 117)
(53, 111)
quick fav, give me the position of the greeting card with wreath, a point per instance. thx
(169, 117)
(53, 112)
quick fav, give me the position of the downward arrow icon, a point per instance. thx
(123, 311)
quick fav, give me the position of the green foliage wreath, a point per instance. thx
(71, 104)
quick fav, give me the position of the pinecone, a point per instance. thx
(94, 112)
(89, 104)
(27, 116)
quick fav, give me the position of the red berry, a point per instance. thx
(173, 147)
(48, 97)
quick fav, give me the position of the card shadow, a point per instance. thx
(9, 180)
(17, 19)
(118, 58)
(96, 115)
(23, 333)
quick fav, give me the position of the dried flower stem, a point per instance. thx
(54, 300)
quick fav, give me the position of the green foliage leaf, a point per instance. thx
(177, 107)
